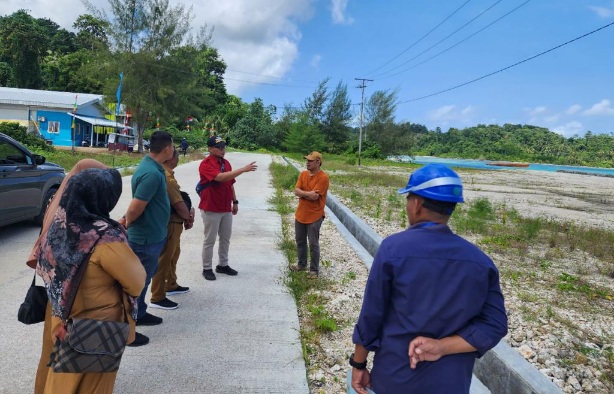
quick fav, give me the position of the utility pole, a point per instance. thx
(362, 101)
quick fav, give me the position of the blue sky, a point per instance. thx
(279, 50)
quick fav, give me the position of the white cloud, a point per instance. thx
(568, 129)
(573, 109)
(603, 12)
(441, 112)
(315, 61)
(257, 37)
(62, 12)
(450, 113)
(536, 110)
(338, 8)
(604, 107)
(552, 118)
(468, 110)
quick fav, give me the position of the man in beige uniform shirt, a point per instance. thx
(164, 281)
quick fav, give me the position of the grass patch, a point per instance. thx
(116, 159)
(307, 292)
(572, 283)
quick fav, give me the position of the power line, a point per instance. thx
(508, 67)
(195, 74)
(421, 38)
(457, 44)
(440, 41)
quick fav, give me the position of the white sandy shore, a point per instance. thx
(582, 199)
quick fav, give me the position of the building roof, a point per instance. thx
(46, 98)
(100, 121)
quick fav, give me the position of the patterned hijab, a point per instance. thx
(81, 165)
(81, 221)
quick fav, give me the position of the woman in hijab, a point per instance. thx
(113, 278)
(47, 348)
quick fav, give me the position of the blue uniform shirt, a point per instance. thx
(428, 281)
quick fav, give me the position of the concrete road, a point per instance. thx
(233, 335)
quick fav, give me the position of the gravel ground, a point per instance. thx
(569, 337)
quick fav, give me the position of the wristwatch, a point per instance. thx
(356, 365)
(235, 201)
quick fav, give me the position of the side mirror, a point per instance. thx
(38, 159)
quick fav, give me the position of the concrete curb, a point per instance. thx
(502, 369)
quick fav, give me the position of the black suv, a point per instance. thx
(27, 183)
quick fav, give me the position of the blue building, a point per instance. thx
(51, 114)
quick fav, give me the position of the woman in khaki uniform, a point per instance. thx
(47, 347)
(114, 276)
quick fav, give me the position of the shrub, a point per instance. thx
(20, 133)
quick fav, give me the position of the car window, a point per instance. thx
(10, 155)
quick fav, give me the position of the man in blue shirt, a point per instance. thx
(429, 290)
(147, 217)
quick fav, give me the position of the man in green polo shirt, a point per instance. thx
(147, 218)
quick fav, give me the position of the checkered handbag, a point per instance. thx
(90, 346)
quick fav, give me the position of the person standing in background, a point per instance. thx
(218, 203)
(311, 188)
(184, 146)
(164, 281)
(147, 218)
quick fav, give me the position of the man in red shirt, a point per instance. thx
(218, 203)
(311, 188)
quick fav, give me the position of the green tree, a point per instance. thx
(232, 111)
(303, 135)
(284, 123)
(337, 117)
(75, 72)
(145, 34)
(59, 40)
(91, 33)
(379, 113)
(255, 129)
(6, 75)
(314, 106)
(206, 90)
(22, 44)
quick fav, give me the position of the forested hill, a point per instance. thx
(518, 143)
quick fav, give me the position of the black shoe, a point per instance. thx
(164, 304)
(149, 320)
(208, 274)
(225, 270)
(297, 268)
(139, 340)
(178, 290)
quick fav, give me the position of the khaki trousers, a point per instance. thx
(216, 224)
(165, 278)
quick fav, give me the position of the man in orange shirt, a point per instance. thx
(311, 189)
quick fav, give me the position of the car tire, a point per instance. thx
(48, 197)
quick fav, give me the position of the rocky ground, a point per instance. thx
(566, 335)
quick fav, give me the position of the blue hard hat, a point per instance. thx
(436, 182)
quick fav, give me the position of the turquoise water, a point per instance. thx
(481, 164)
